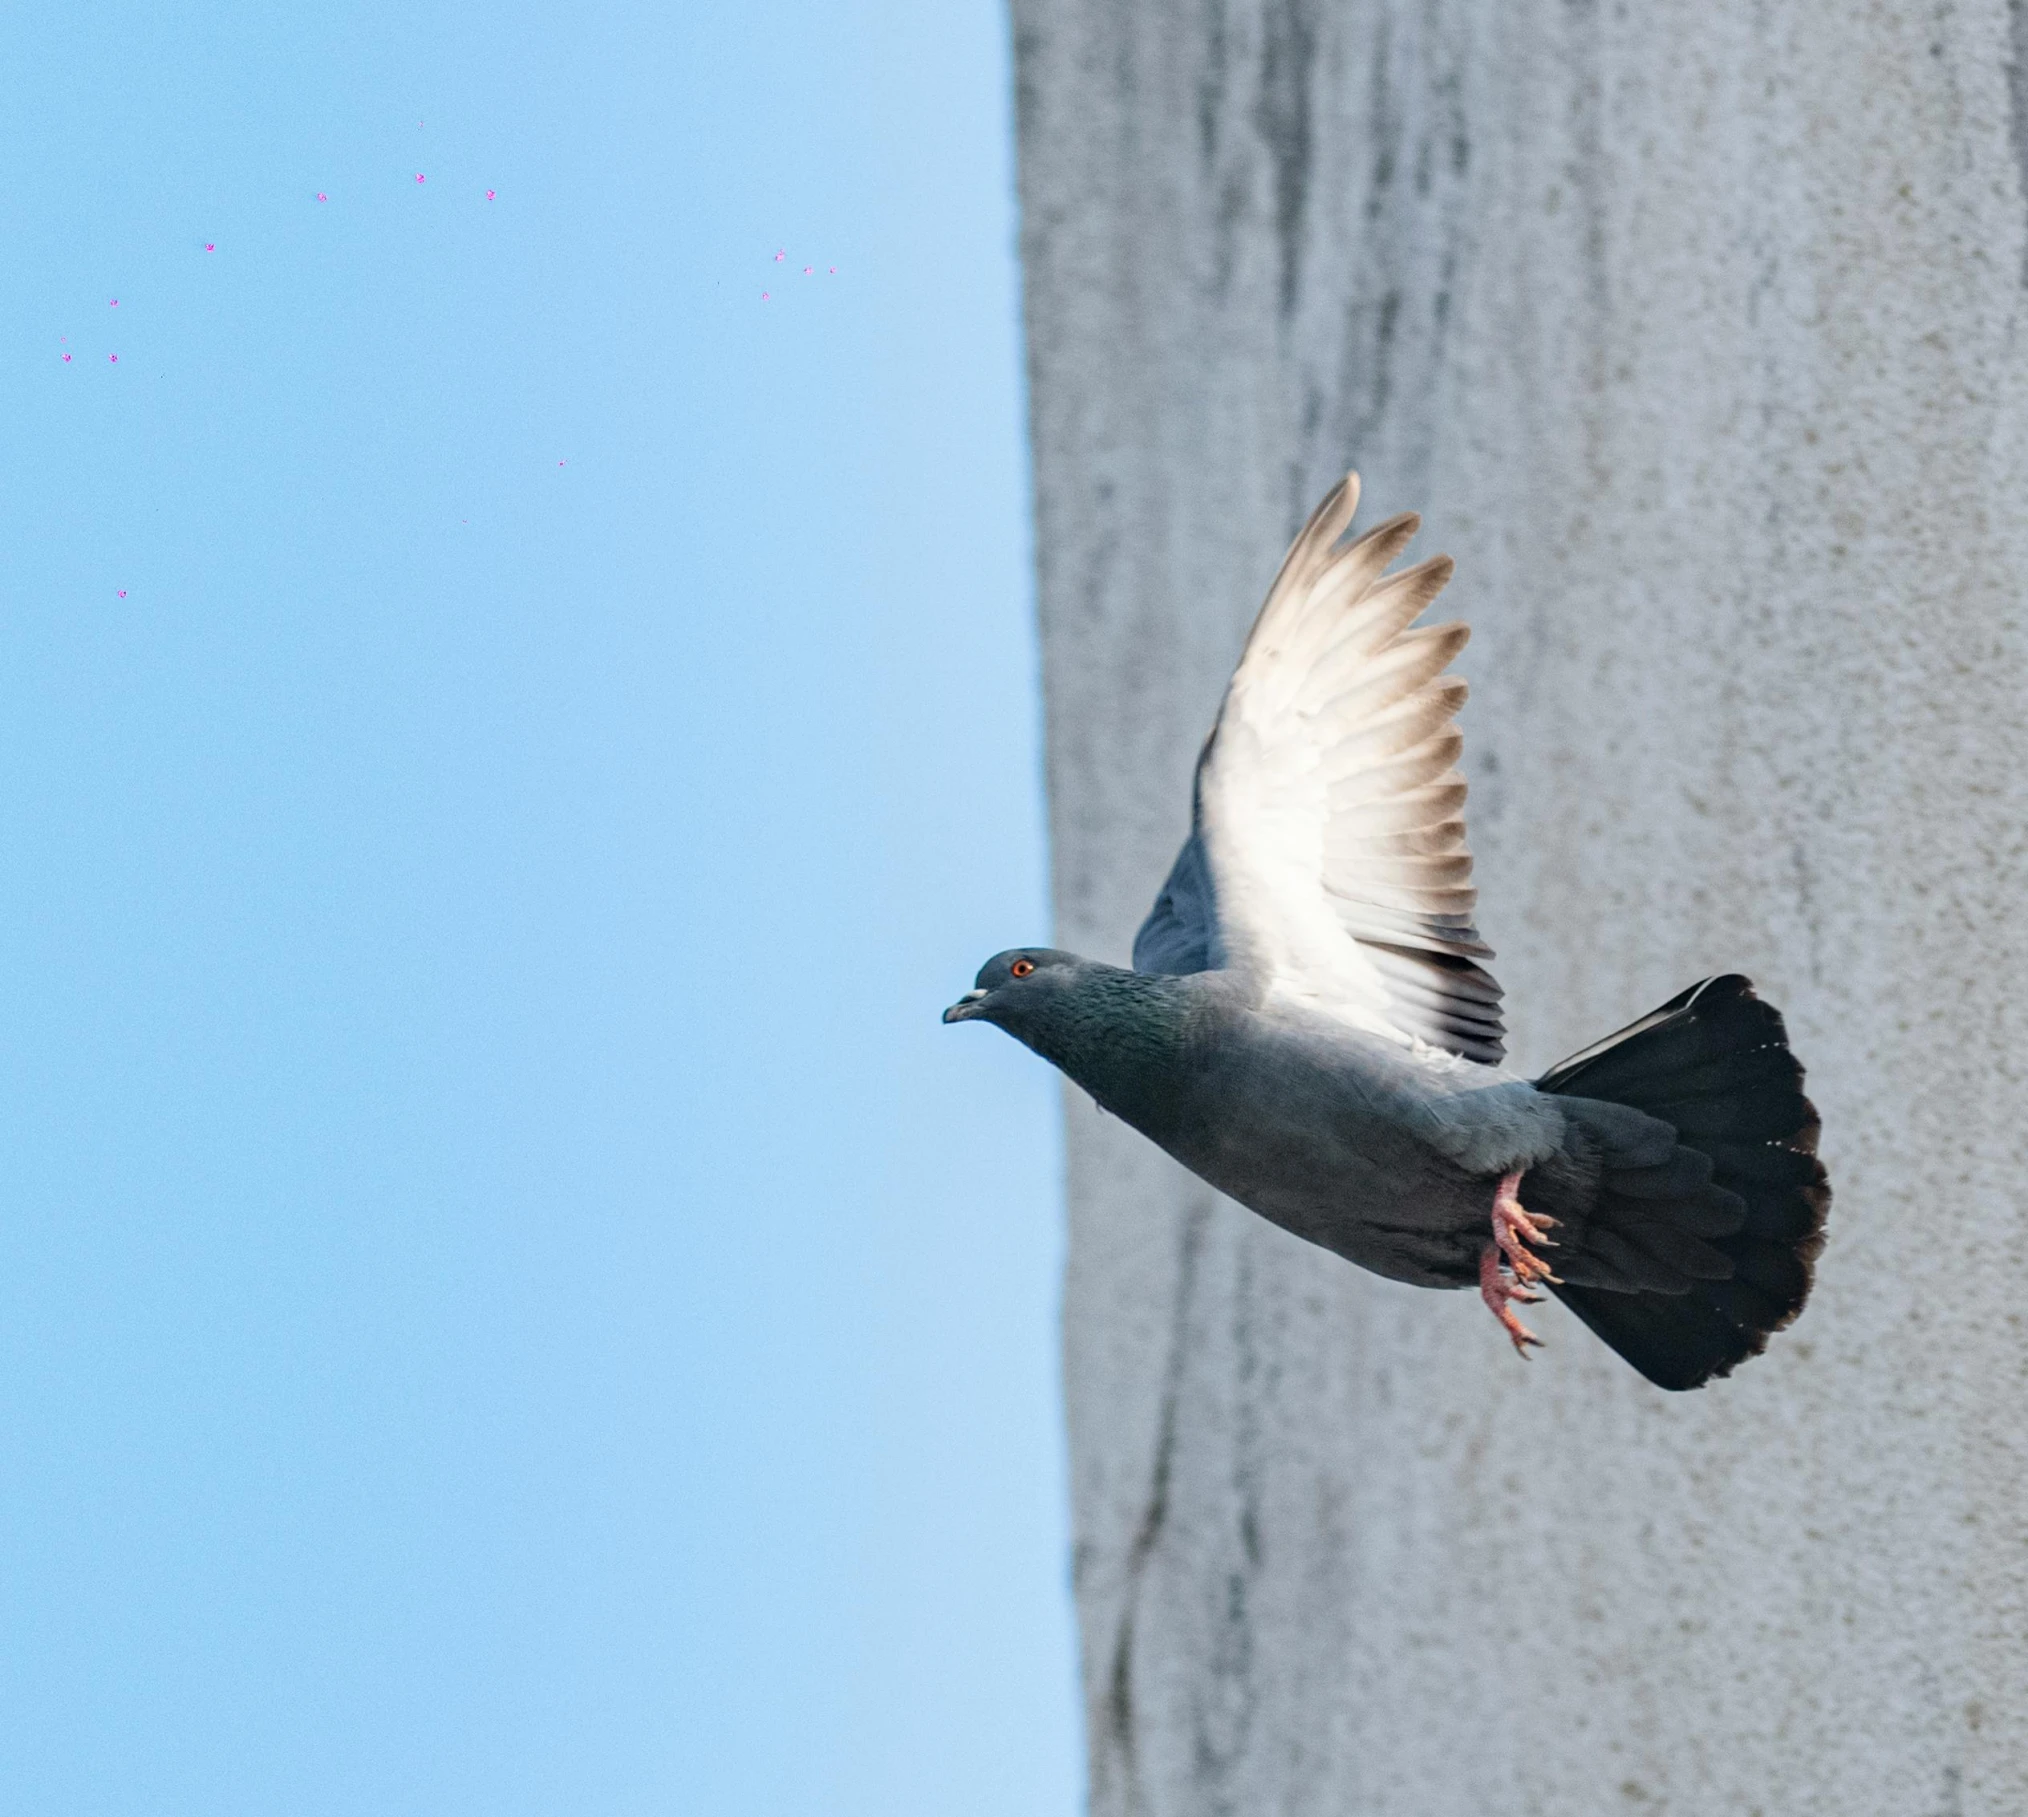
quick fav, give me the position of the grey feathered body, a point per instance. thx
(1381, 1155)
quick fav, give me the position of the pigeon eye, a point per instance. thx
(1022, 967)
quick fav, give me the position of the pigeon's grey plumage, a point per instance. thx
(1308, 1025)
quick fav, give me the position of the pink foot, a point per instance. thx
(1514, 1228)
(1496, 1290)
(1509, 1268)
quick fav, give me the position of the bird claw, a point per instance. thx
(1496, 1289)
(1508, 1267)
(1515, 1228)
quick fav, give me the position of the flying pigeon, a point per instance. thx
(1309, 1024)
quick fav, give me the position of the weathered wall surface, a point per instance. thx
(1695, 329)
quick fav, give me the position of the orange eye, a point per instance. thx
(1022, 967)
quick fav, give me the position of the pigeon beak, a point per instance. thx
(966, 1007)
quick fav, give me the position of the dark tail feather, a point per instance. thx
(1715, 1063)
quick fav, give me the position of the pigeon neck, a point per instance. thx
(1122, 1036)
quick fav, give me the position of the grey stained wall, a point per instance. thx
(1696, 331)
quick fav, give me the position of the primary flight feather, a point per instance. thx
(1309, 1027)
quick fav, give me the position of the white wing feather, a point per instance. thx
(1328, 859)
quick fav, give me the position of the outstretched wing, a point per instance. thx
(1327, 857)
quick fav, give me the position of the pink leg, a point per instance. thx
(1496, 1290)
(1509, 1268)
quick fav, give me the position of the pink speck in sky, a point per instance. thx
(322, 197)
(210, 245)
(559, 463)
(66, 359)
(418, 176)
(780, 256)
(114, 358)
(489, 195)
(764, 296)
(834, 271)
(114, 303)
(123, 592)
(807, 269)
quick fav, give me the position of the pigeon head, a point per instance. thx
(1016, 987)
(1119, 1034)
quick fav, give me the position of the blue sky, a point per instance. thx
(509, 1300)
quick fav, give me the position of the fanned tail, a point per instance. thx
(1715, 1064)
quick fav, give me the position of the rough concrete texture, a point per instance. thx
(1696, 332)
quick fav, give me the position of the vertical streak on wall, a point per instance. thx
(1696, 332)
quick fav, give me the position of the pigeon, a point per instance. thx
(1309, 1023)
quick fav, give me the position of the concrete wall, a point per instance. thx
(1696, 332)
